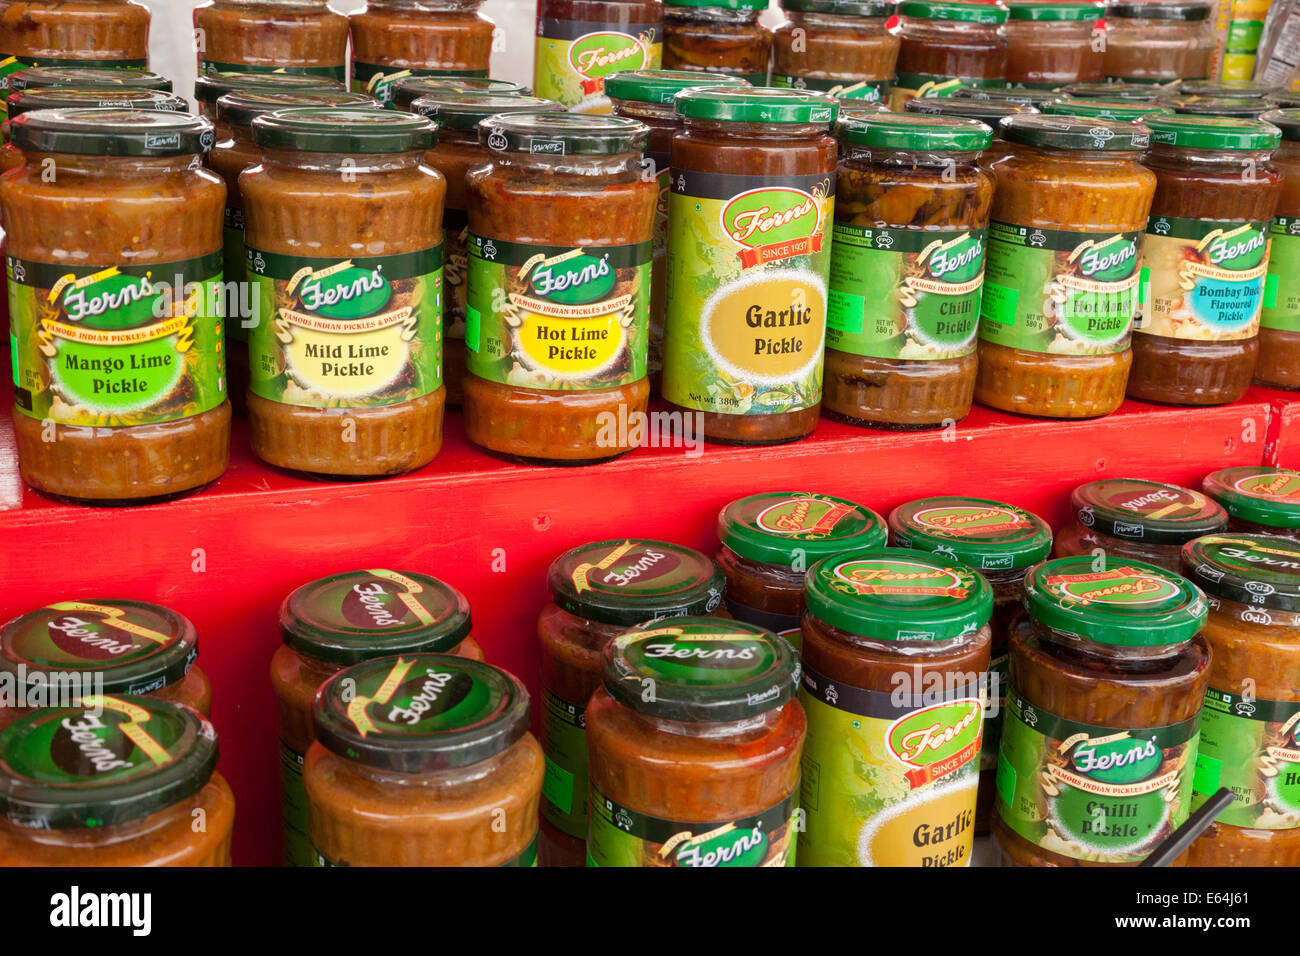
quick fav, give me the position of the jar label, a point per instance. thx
(346, 333)
(1101, 794)
(998, 681)
(1253, 748)
(749, 258)
(455, 270)
(903, 293)
(889, 777)
(620, 836)
(574, 57)
(234, 258)
(1282, 285)
(557, 318)
(293, 800)
(338, 71)
(782, 625)
(868, 91)
(1202, 279)
(528, 858)
(564, 742)
(378, 81)
(112, 346)
(1063, 293)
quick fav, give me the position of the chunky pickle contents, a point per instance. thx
(717, 40)
(264, 36)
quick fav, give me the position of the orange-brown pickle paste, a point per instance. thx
(66, 32)
(394, 39)
(289, 36)
(1156, 41)
(717, 36)
(1051, 43)
(840, 47)
(946, 46)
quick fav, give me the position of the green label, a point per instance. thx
(378, 81)
(455, 230)
(293, 801)
(868, 91)
(658, 164)
(119, 345)
(573, 58)
(1203, 279)
(1064, 293)
(1251, 747)
(903, 293)
(748, 264)
(1101, 794)
(557, 317)
(564, 741)
(1282, 285)
(998, 682)
(351, 333)
(337, 72)
(620, 836)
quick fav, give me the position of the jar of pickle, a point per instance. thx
(1002, 542)
(990, 112)
(1120, 90)
(948, 45)
(717, 36)
(265, 36)
(1020, 96)
(1111, 672)
(339, 621)
(1279, 324)
(210, 87)
(1054, 42)
(1230, 88)
(1158, 41)
(76, 75)
(1250, 727)
(1242, 107)
(1116, 519)
(393, 39)
(1204, 259)
(598, 591)
(839, 47)
(1258, 499)
(409, 89)
(907, 263)
(1061, 284)
(580, 43)
(1124, 111)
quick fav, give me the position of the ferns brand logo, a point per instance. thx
(957, 260)
(892, 576)
(1118, 586)
(938, 740)
(597, 55)
(774, 223)
(1123, 760)
(725, 847)
(573, 281)
(804, 517)
(1109, 260)
(126, 300)
(1241, 248)
(349, 293)
(967, 521)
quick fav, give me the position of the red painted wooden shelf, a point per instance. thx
(227, 556)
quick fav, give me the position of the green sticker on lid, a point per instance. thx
(787, 527)
(989, 535)
(1263, 496)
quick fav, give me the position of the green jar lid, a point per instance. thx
(980, 12)
(660, 86)
(1035, 98)
(704, 670)
(843, 8)
(988, 112)
(893, 594)
(358, 615)
(419, 713)
(49, 77)
(1212, 132)
(1071, 133)
(720, 4)
(1288, 100)
(1234, 106)
(1141, 92)
(345, 130)
(631, 580)
(984, 534)
(464, 111)
(1159, 10)
(1259, 570)
(107, 761)
(758, 105)
(104, 97)
(1257, 91)
(134, 647)
(555, 133)
(409, 89)
(210, 87)
(1263, 496)
(1148, 511)
(1123, 111)
(914, 131)
(1054, 11)
(241, 107)
(1288, 121)
(112, 132)
(1130, 604)
(780, 527)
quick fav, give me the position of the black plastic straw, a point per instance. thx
(1178, 841)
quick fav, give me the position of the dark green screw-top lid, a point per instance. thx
(893, 594)
(1143, 92)
(988, 112)
(914, 131)
(1259, 495)
(843, 8)
(346, 130)
(103, 97)
(409, 89)
(112, 132)
(660, 86)
(47, 77)
(985, 534)
(358, 615)
(419, 713)
(1257, 91)
(1124, 111)
(1288, 121)
(1259, 570)
(785, 527)
(1054, 11)
(1075, 133)
(553, 133)
(700, 669)
(1244, 107)
(1212, 132)
(107, 761)
(1159, 10)
(464, 111)
(1035, 98)
(241, 107)
(1148, 511)
(210, 87)
(759, 104)
(961, 12)
(1128, 603)
(630, 581)
(721, 4)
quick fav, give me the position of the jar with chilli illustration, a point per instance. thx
(1099, 738)
(598, 591)
(580, 43)
(895, 645)
(703, 772)
(1259, 500)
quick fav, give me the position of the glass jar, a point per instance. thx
(1021, 96)
(1002, 542)
(1118, 519)
(1156, 41)
(1251, 721)
(264, 36)
(990, 112)
(423, 760)
(770, 540)
(907, 263)
(580, 43)
(339, 621)
(1051, 43)
(137, 403)
(343, 226)
(598, 591)
(1061, 282)
(58, 808)
(1204, 259)
(895, 645)
(81, 77)
(1243, 107)
(558, 299)
(1230, 88)
(946, 46)
(1120, 90)
(393, 39)
(717, 36)
(1259, 500)
(409, 89)
(457, 151)
(753, 189)
(1279, 324)
(210, 87)
(1123, 111)
(1099, 737)
(704, 772)
(103, 647)
(839, 47)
